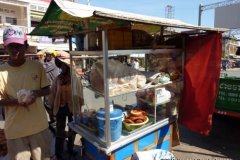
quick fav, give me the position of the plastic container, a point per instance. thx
(115, 123)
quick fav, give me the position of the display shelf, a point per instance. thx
(147, 86)
(152, 104)
(124, 52)
(124, 139)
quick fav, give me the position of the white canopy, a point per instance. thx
(62, 16)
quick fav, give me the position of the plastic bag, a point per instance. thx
(24, 96)
(154, 154)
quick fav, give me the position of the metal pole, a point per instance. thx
(199, 14)
(106, 88)
(70, 42)
(71, 71)
(183, 56)
(146, 62)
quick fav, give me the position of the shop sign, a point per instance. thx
(228, 97)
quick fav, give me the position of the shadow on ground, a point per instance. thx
(222, 143)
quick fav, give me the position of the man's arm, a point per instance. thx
(41, 92)
(35, 93)
(9, 102)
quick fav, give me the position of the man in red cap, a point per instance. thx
(22, 84)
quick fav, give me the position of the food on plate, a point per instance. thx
(136, 116)
(137, 123)
(137, 113)
(133, 118)
(128, 121)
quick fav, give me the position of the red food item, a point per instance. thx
(144, 113)
(133, 118)
(136, 113)
(128, 121)
(139, 121)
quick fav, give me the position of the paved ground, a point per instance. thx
(222, 143)
(77, 146)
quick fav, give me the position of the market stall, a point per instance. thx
(125, 110)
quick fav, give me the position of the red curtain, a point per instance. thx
(201, 79)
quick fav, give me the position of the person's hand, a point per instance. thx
(31, 99)
(23, 104)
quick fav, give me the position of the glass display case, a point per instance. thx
(124, 105)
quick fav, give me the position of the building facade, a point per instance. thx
(27, 14)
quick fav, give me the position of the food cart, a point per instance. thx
(114, 96)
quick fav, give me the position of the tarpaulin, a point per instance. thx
(201, 80)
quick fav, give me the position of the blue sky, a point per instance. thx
(184, 10)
